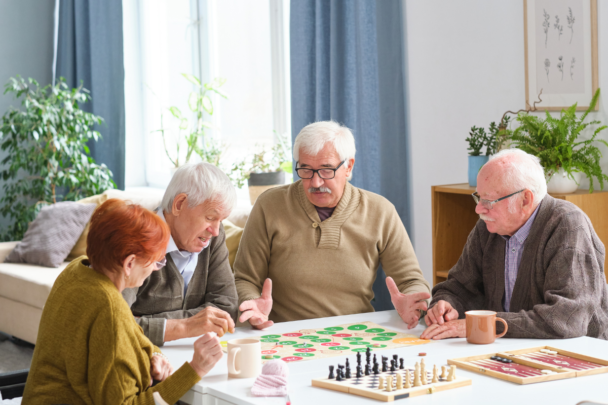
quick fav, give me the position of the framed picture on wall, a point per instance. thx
(561, 53)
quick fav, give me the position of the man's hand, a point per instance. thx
(256, 311)
(408, 306)
(160, 368)
(209, 319)
(440, 312)
(450, 329)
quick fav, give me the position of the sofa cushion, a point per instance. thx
(80, 248)
(50, 237)
(233, 238)
(27, 283)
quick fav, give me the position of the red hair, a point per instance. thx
(119, 229)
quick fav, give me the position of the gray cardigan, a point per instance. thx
(162, 294)
(560, 291)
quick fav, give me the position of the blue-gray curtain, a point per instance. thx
(90, 50)
(347, 65)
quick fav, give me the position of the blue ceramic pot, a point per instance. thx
(475, 163)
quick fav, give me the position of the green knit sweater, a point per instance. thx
(320, 269)
(90, 350)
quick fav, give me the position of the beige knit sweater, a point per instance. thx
(322, 269)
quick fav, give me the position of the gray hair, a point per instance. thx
(523, 171)
(200, 182)
(313, 137)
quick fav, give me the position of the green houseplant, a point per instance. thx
(478, 138)
(555, 141)
(48, 158)
(193, 133)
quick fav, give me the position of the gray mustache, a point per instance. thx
(319, 190)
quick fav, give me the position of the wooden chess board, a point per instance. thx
(533, 365)
(368, 385)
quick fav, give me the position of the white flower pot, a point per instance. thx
(560, 183)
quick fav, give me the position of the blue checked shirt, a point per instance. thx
(513, 252)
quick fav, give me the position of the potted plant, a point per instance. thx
(48, 158)
(265, 169)
(555, 141)
(193, 133)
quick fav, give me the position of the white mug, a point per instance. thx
(244, 358)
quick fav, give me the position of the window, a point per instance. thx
(246, 42)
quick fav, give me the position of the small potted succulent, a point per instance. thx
(493, 140)
(264, 169)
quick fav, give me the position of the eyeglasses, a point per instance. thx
(487, 204)
(160, 264)
(325, 174)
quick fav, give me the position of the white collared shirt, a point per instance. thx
(184, 261)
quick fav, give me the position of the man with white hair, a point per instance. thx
(320, 241)
(533, 259)
(194, 292)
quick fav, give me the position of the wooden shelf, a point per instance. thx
(454, 217)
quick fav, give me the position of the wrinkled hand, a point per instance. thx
(256, 311)
(408, 306)
(209, 319)
(450, 329)
(440, 312)
(207, 352)
(160, 368)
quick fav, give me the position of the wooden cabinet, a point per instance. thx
(454, 217)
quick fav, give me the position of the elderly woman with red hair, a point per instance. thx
(90, 350)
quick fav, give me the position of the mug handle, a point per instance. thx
(506, 327)
(232, 364)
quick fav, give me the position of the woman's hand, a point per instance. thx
(160, 368)
(207, 352)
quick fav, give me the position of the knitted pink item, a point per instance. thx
(273, 380)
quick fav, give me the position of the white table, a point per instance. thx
(217, 389)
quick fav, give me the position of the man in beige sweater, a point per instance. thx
(320, 241)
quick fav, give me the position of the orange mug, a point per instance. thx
(481, 327)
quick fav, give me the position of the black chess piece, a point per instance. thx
(375, 369)
(367, 369)
(393, 365)
(347, 364)
(331, 372)
(401, 367)
(359, 358)
(339, 376)
(359, 373)
(368, 354)
(347, 375)
(384, 364)
(396, 358)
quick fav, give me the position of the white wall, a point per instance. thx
(26, 48)
(465, 67)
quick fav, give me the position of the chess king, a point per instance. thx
(533, 259)
(320, 241)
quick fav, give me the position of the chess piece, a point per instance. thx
(331, 372)
(384, 364)
(339, 375)
(375, 361)
(399, 385)
(347, 375)
(389, 383)
(444, 374)
(423, 376)
(435, 376)
(401, 366)
(375, 369)
(359, 373)
(408, 379)
(417, 382)
(347, 364)
(380, 383)
(393, 366)
(368, 370)
(452, 373)
(359, 358)
(396, 358)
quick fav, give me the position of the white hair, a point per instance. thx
(313, 137)
(522, 171)
(200, 182)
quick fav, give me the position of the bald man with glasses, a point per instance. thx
(533, 259)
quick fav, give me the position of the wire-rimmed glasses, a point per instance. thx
(487, 204)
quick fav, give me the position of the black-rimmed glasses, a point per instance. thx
(487, 204)
(325, 174)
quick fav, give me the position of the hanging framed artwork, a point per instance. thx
(560, 53)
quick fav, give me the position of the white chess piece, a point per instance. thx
(417, 382)
(380, 383)
(389, 383)
(435, 376)
(444, 372)
(399, 382)
(408, 379)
